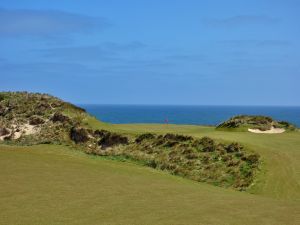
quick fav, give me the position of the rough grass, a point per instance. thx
(280, 177)
(202, 159)
(55, 185)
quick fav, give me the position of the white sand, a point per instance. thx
(2, 137)
(29, 129)
(17, 135)
(273, 130)
(25, 129)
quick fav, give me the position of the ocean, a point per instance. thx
(196, 115)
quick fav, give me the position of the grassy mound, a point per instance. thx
(28, 119)
(200, 159)
(37, 118)
(263, 123)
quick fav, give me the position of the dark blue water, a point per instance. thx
(203, 115)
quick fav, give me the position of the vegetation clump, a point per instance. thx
(100, 133)
(204, 144)
(79, 135)
(59, 117)
(285, 125)
(177, 137)
(112, 139)
(36, 120)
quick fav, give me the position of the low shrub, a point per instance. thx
(177, 137)
(35, 120)
(251, 159)
(233, 147)
(79, 135)
(59, 117)
(100, 133)
(204, 144)
(245, 170)
(112, 139)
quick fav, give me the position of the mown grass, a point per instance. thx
(49, 184)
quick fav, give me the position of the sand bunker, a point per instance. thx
(273, 130)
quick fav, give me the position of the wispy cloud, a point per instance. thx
(274, 43)
(131, 46)
(80, 53)
(241, 20)
(44, 69)
(185, 57)
(55, 70)
(256, 43)
(108, 51)
(47, 23)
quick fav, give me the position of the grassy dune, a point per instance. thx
(55, 185)
(280, 176)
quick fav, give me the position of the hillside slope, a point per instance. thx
(28, 119)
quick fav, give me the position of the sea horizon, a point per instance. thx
(141, 104)
(209, 115)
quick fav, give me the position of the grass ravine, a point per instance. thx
(48, 179)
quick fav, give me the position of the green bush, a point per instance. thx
(233, 147)
(245, 170)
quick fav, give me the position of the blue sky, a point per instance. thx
(153, 52)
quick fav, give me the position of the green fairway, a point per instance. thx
(49, 184)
